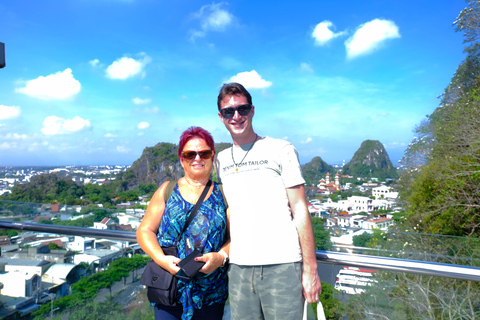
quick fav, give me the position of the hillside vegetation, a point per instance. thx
(160, 163)
(313, 170)
(370, 160)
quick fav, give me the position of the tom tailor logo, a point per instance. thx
(246, 163)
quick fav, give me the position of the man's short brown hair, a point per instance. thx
(230, 89)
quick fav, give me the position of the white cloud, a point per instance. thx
(306, 67)
(141, 101)
(143, 125)
(53, 125)
(125, 67)
(212, 18)
(370, 36)
(308, 140)
(7, 112)
(16, 136)
(322, 33)
(94, 63)
(5, 146)
(250, 80)
(110, 135)
(58, 86)
(123, 149)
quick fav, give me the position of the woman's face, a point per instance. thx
(197, 168)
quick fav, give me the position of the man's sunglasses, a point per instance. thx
(243, 110)
(204, 154)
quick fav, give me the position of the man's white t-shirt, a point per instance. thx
(262, 228)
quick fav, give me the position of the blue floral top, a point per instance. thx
(206, 232)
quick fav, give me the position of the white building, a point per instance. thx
(105, 224)
(20, 284)
(355, 204)
(379, 223)
(80, 244)
(124, 219)
(384, 192)
(22, 277)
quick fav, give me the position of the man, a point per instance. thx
(270, 227)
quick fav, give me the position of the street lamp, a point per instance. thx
(52, 297)
(2, 55)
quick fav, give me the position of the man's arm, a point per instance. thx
(310, 279)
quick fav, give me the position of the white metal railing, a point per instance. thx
(354, 260)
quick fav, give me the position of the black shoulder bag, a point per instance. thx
(162, 285)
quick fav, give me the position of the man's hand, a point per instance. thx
(312, 287)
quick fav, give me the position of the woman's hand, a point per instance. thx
(212, 260)
(169, 263)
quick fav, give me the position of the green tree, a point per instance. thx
(96, 311)
(322, 236)
(53, 246)
(361, 240)
(441, 184)
(148, 188)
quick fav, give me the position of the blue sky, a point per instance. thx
(94, 82)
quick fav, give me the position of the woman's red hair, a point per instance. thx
(195, 132)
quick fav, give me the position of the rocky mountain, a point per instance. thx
(160, 163)
(156, 165)
(315, 169)
(370, 160)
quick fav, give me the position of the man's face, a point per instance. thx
(239, 126)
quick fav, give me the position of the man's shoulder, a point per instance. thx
(276, 143)
(224, 152)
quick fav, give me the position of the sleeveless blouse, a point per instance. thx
(207, 232)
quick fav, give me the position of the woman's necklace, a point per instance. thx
(236, 165)
(200, 184)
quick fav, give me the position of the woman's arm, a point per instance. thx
(147, 232)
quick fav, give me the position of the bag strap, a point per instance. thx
(169, 190)
(171, 185)
(220, 186)
(197, 205)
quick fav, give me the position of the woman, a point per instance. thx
(204, 296)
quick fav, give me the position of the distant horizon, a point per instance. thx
(339, 162)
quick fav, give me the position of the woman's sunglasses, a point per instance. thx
(204, 154)
(243, 110)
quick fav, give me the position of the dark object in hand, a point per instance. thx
(188, 266)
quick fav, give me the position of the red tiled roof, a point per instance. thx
(379, 220)
(40, 217)
(124, 227)
(58, 242)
